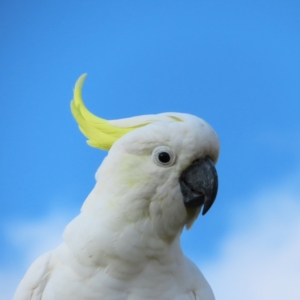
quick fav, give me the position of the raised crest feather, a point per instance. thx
(101, 133)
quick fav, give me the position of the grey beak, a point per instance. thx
(199, 184)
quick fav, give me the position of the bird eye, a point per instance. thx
(163, 156)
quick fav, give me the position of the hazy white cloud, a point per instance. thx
(260, 259)
(32, 238)
(8, 284)
(36, 237)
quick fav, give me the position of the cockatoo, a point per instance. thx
(125, 243)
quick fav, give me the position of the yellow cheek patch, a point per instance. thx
(131, 171)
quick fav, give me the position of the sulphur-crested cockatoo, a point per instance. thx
(125, 243)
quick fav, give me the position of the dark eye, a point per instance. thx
(163, 156)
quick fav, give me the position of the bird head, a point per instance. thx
(159, 168)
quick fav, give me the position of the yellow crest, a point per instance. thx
(100, 133)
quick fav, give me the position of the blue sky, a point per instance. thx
(233, 63)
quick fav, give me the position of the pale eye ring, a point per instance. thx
(163, 156)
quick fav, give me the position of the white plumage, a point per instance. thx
(125, 243)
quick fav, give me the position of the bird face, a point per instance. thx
(166, 171)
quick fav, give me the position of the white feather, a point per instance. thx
(125, 243)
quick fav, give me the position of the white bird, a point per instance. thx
(125, 243)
